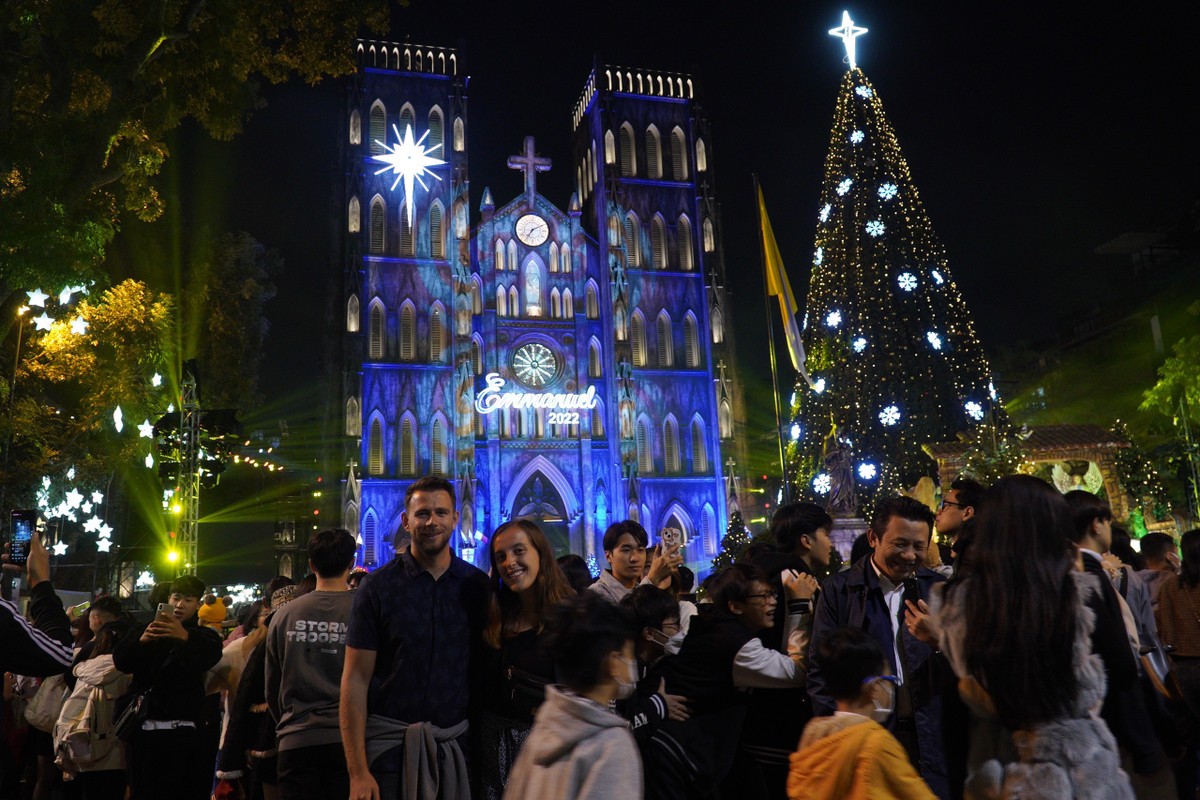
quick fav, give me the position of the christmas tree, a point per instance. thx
(735, 541)
(891, 348)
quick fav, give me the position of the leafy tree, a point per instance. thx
(1178, 388)
(231, 284)
(88, 92)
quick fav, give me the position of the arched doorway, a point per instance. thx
(540, 501)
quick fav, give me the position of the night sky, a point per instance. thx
(1033, 135)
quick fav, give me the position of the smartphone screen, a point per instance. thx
(23, 523)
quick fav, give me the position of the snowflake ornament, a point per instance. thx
(889, 416)
(935, 340)
(834, 319)
(860, 344)
(888, 190)
(937, 277)
(822, 483)
(867, 471)
(819, 256)
(875, 228)
(863, 91)
(795, 432)
(974, 410)
(844, 186)
(856, 137)
(824, 215)
(907, 281)
(819, 385)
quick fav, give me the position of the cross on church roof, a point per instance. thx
(531, 164)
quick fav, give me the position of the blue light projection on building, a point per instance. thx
(573, 366)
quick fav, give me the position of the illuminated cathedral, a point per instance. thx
(567, 360)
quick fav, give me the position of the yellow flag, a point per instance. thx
(778, 286)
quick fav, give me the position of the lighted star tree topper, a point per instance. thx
(410, 161)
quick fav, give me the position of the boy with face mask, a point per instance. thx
(654, 619)
(578, 748)
(851, 754)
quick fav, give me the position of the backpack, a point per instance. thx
(85, 735)
(43, 709)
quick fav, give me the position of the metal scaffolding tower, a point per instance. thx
(189, 474)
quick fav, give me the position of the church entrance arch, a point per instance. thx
(542, 494)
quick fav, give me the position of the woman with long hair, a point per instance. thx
(527, 585)
(1020, 633)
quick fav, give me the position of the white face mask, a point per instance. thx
(626, 688)
(883, 711)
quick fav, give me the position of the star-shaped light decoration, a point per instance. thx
(86, 507)
(104, 545)
(60, 549)
(410, 161)
(74, 498)
(38, 298)
(156, 380)
(43, 322)
(118, 419)
(79, 326)
(64, 296)
(92, 525)
(71, 474)
(146, 430)
(105, 531)
(149, 461)
(97, 496)
(848, 32)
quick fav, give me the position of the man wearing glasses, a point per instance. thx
(953, 521)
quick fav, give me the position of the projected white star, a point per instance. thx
(410, 161)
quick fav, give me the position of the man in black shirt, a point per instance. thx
(414, 628)
(168, 659)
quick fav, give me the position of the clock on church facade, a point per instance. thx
(565, 360)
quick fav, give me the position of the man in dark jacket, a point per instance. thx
(871, 596)
(168, 661)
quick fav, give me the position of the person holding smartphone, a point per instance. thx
(168, 660)
(44, 647)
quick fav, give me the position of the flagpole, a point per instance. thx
(762, 257)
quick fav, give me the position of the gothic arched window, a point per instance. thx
(408, 447)
(699, 446)
(684, 234)
(666, 343)
(628, 156)
(375, 448)
(437, 244)
(407, 247)
(436, 132)
(378, 128)
(375, 334)
(352, 314)
(378, 226)
(691, 341)
(353, 216)
(658, 243)
(653, 157)
(355, 127)
(679, 155)
(632, 245)
(644, 456)
(639, 340)
(670, 445)
(408, 331)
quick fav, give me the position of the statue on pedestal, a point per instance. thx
(839, 466)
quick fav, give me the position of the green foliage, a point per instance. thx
(993, 454)
(1139, 477)
(88, 92)
(1178, 388)
(230, 286)
(733, 544)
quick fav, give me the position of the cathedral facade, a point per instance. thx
(569, 361)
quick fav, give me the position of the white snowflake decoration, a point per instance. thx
(907, 281)
(822, 483)
(935, 340)
(889, 416)
(856, 137)
(834, 319)
(992, 390)
(937, 277)
(875, 228)
(860, 344)
(819, 256)
(844, 186)
(824, 215)
(974, 410)
(819, 385)
(867, 471)
(888, 190)
(795, 432)
(863, 91)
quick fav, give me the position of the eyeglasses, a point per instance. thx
(952, 503)
(766, 596)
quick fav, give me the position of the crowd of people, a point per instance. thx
(1031, 653)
